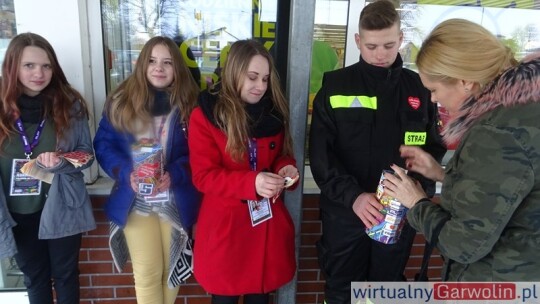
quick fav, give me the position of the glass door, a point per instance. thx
(10, 275)
(203, 31)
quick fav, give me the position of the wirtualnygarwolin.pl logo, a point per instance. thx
(444, 292)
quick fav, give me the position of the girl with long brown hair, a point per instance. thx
(242, 159)
(41, 118)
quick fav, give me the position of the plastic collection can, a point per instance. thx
(389, 229)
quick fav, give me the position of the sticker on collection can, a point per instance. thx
(389, 229)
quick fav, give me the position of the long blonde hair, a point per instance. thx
(134, 97)
(230, 112)
(459, 49)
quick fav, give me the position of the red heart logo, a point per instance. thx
(414, 102)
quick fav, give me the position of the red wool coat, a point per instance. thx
(231, 257)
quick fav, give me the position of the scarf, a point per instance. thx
(161, 105)
(31, 107)
(263, 118)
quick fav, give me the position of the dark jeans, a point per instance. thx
(347, 254)
(248, 299)
(47, 262)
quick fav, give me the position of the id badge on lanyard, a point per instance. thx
(259, 211)
(22, 184)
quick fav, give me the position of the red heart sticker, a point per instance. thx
(414, 102)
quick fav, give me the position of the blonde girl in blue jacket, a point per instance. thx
(151, 106)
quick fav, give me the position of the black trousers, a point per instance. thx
(47, 262)
(347, 254)
(248, 299)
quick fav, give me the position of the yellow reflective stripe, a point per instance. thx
(415, 138)
(341, 101)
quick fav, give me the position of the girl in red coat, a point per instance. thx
(242, 158)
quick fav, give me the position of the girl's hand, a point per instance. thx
(268, 184)
(48, 159)
(164, 182)
(134, 181)
(291, 175)
(288, 171)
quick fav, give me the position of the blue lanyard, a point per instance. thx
(26, 143)
(252, 145)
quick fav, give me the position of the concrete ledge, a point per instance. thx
(102, 186)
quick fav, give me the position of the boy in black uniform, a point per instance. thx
(361, 116)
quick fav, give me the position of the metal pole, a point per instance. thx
(302, 16)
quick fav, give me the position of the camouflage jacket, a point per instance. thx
(489, 215)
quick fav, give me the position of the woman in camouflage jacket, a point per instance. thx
(487, 224)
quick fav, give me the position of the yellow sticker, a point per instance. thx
(415, 138)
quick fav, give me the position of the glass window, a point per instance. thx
(516, 23)
(202, 30)
(329, 37)
(8, 27)
(10, 275)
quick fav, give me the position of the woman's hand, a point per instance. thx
(403, 188)
(420, 161)
(269, 184)
(48, 159)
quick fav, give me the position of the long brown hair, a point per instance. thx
(230, 110)
(59, 95)
(134, 97)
